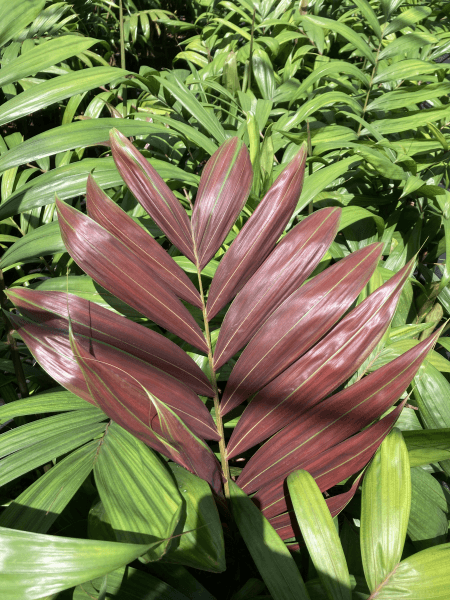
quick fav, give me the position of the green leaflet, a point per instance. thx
(320, 535)
(386, 500)
(43, 56)
(40, 242)
(138, 493)
(39, 506)
(34, 565)
(14, 17)
(272, 558)
(427, 446)
(201, 545)
(57, 89)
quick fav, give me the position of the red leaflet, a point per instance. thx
(154, 195)
(115, 267)
(52, 350)
(328, 468)
(112, 388)
(292, 261)
(109, 215)
(298, 323)
(224, 187)
(341, 415)
(321, 370)
(258, 236)
(94, 321)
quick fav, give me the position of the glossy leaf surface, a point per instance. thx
(258, 236)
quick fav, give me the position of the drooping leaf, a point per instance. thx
(154, 195)
(93, 321)
(287, 267)
(109, 215)
(258, 236)
(224, 186)
(114, 266)
(51, 348)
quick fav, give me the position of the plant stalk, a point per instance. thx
(374, 72)
(219, 422)
(122, 55)
(15, 357)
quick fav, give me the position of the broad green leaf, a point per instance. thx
(320, 179)
(181, 579)
(53, 401)
(201, 545)
(332, 68)
(75, 135)
(133, 586)
(39, 506)
(205, 118)
(57, 89)
(14, 17)
(407, 43)
(320, 535)
(409, 17)
(423, 576)
(32, 445)
(349, 34)
(40, 242)
(408, 96)
(427, 446)
(428, 523)
(43, 56)
(35, 565)
(272, 558)
(263, 73)
(70, 180)
(408, 69)
(370, 16)
(137, 491)
(386, 501)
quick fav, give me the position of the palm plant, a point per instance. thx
(303, 339)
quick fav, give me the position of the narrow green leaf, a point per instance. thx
(427, 446)
(320, 535)
(386, 501)
(40, 242)
(272, 558)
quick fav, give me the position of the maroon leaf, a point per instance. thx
(286, 268)
(152, 193)
(112, 388)
(341, 415)
(321, 370)
(328, 468)
(224, 187)
(258, 236)
(303, 318)
(52, 349)
(94, 321)
(109, 215)
(115, 267)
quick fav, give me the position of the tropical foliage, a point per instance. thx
(225, 289)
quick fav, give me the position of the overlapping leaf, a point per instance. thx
(93, 321)
(114, 266)
(258, 236)
(156, 425)
(51, 348)
(109, 215)
(224, 186)
(311, 310)
(153, 193)
(327, 365)
(286, 268)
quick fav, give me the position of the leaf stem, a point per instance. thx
(374, 72)
(219, 422)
